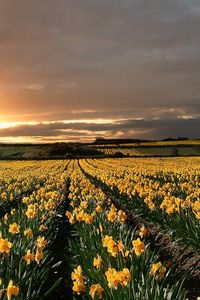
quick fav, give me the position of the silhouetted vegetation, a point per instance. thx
(47, 151)
(101, 140)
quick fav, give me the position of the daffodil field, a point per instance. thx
(30, 195)
(124, 228)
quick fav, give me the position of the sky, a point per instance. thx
(74, 70)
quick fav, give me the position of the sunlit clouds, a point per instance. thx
(86, 130)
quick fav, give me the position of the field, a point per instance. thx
(108, 149)
(110, 228)
(157, 148)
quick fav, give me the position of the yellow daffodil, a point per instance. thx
(29, 257)
(138, 246)
(12, 290)
(14, 228)
(97, 262)
(158, 270)
(96, 290)
(5, 246)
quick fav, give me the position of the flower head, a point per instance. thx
(5, 246)
(12, 290)
(77, 273)
(78, 280)
(14, 228)
(158, 270)
(142, 232)
(41, 242)
(115, 278)
(138, 246)
(122, 216)
(97, 262)
(96, 289)
(29, 257)
(39, 256)
(28, 232)
(78, 286)
(111, 245)
(42, 228)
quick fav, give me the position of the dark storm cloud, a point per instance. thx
(117, 59)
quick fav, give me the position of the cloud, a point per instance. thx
(87, 131)
(99, 59)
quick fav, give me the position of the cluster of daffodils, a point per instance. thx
(18, 178)
(110, 258)
(114, 214)
(78, 280)
(108, 254)
(38, 256)
(112, 247)
(115, 278)
(169, 184)
(86, 200)
(158, 270)
(79, 284)
(23, 241)
(162, 190)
